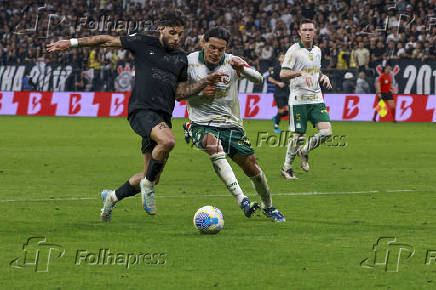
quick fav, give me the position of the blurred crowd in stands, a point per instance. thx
(354, 35)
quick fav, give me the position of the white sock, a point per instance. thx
(147, 183)
(113, 197)
(225, 172)
(291, 151)
(317, 139)
(260, 184)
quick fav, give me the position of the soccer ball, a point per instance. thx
(208, 220)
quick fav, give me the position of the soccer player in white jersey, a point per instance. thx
(216, 126)
(302, 65)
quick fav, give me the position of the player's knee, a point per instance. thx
(298, 139)
(168, 143)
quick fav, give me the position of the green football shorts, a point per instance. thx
(233, 140)
(299, 115)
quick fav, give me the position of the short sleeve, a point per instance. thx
(289, 60)
(276, 72)
(183, 75)
(135, 42)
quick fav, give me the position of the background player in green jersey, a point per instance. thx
(302, 65)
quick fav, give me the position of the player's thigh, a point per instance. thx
(298, 118)
(235, 142)
(162, 134)
(319, 116)
(144, 121)
(211, 144)
(203, 136)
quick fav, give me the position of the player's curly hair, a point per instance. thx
(172, 17)
(218, 32)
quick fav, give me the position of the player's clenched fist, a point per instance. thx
(216, 77)
(209, 91)
(237, 64)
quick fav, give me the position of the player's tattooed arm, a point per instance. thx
(100, 41)
(91, 41)
(186, 90)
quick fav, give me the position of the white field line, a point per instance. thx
(220, 195)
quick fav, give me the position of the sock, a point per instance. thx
(225, 172)
(126, 190)
(154, 168)
(285, 113)
(317, 139)
(147, 183)
(393, 112)
(294, 143)
(278, 117)
(260, 184)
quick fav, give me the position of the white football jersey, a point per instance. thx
(223, 110)
(298, 58)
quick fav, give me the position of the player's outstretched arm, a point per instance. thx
(188, 89)
(91, 41)
(241, 66)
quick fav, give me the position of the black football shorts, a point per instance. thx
(143, 121)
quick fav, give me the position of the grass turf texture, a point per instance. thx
(320, 246)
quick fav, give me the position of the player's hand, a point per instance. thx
(209, 91)
(61, 45)
(237, 64)
(307, 77)
(281, 84)
(216, 77)
(325, 81)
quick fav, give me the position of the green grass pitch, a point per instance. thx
(381, 184)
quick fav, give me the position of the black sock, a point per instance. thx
(154, 168)
(126, 190)
(278, 117)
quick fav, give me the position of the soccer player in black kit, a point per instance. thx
(160, 79)
(281, 93)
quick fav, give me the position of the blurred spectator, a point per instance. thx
(348, 84)
(362, 86)
(361, 56)
(351, 33)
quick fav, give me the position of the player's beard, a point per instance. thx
(167, 44)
